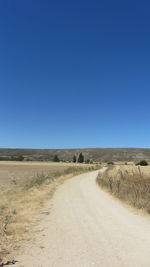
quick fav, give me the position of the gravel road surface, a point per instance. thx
(83, 226)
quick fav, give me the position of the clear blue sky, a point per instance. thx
(74, 73)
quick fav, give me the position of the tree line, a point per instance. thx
(79, 159)
(11, 158)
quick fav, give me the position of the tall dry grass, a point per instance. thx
(19, 206)
(129, 183)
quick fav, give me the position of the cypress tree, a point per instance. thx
(74, 159)
(56, 159)
(81, 158)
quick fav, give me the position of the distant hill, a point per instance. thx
(95, 154)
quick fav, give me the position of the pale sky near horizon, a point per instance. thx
(74, 73)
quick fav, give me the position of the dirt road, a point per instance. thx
(86, 227)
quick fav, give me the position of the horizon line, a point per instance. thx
(74, 148)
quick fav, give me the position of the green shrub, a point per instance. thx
(110, 163)
(142, 163)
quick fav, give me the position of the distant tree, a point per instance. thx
(56, 159)
(81, 158)
(87, 161)
(20, 158)
(74, 159)
(142, 163)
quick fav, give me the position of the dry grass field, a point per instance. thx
(14, 174)
(25, 186)
(129, 183)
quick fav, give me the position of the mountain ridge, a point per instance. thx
(96, 154)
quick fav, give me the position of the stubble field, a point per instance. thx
(14, 174)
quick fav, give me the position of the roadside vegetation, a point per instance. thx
(20, 204)
(128, 183)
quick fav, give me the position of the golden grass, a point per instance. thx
(14, 174)
(129, 183)
(20, 204)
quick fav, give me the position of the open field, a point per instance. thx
(129, 183)
(14, 174)
(26, 186)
